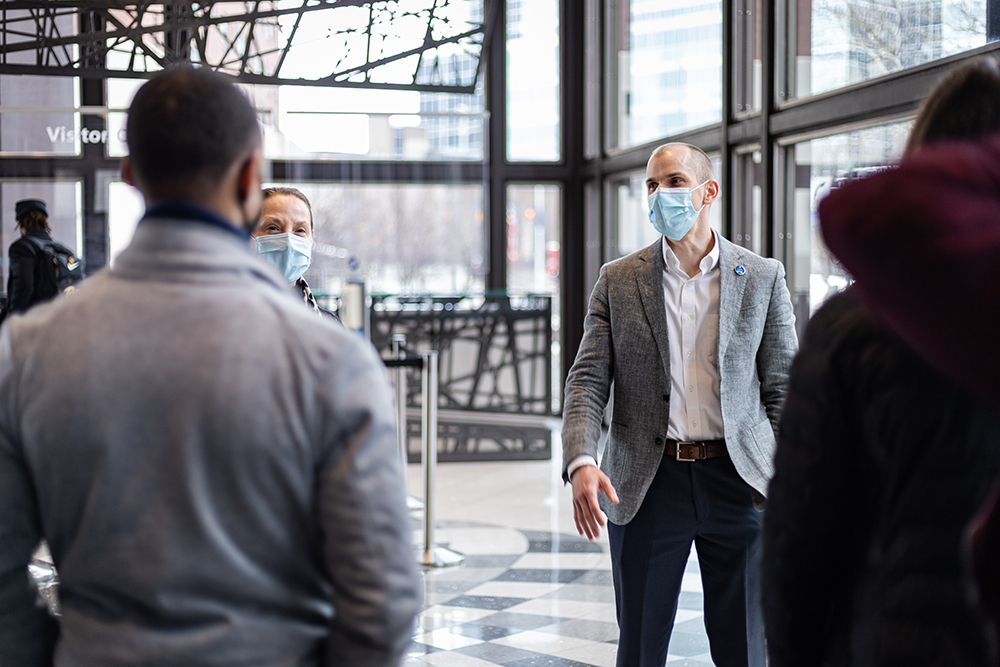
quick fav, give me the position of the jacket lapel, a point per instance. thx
(732, 284)
(649, 277)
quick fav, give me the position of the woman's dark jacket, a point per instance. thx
(25, 284)
(880, 465)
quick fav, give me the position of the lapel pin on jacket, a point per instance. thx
(739, 270)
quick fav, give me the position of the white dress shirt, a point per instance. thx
(692, 306)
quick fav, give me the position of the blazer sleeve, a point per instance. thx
(21, 276)
(588, 385)
(778, 346)
(27, 633)
(365, 528)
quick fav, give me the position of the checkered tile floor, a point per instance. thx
(524, 598)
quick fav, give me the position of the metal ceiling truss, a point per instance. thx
(423, 45)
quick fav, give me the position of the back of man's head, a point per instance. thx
(186, 128)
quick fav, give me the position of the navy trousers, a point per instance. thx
(708, 503)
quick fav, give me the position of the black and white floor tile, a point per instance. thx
(527, 598)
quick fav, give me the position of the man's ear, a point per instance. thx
(249, 179)
(711, 191)
(127, 175)
(250, 176)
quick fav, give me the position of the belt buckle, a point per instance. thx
(677, 450)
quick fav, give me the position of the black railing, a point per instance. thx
(495, 377)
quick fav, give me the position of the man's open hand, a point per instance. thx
(587, 482)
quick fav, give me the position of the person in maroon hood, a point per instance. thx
(923, 244)
(882, 460)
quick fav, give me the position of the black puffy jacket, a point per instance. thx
(881, 463)
(25, 284)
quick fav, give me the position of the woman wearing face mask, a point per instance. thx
(284, 238)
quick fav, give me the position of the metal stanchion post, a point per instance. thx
(398, 342)
(434, 556)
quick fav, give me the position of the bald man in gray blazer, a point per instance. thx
(696, 336)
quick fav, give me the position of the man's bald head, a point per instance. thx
(693, 158)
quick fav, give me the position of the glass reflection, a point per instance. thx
(534, 227)
(822, 164)
(749, 74)
(399, 239)
(846, 41)
(300, 122)
(669, 68)
(40, 117)
(533, 113)
(747, 223)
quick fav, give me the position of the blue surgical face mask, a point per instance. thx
(672, 212)
(292, 254)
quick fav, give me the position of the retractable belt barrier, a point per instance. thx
(433, 555)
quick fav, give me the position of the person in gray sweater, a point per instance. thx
(213, 466)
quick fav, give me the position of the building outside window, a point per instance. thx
(668, 68)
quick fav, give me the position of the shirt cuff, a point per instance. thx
(579, 462)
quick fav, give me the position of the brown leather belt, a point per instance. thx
(696, 450)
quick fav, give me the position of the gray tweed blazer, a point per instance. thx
(625, 346)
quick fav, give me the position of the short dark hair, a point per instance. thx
(964, 105)
(291, 192)
(189, 125)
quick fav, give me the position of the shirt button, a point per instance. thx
(691, 388)
(695, 424)
(687, 318)
(688, 355)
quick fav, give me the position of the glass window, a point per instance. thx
(632, 230)
(818, 166)
(592, 106)
(667, 65)
(749, 71)
(63, 199)
(841, 42)
(400, 43)
(125, 209)
(119, 95)
(533, 113)
(40, 117)
(312, 123)
(534, 227)
(302, 122)
(747, 229)
(39, 112)
(399, 239)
